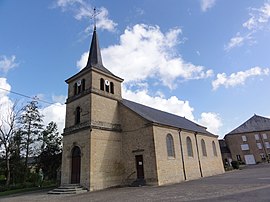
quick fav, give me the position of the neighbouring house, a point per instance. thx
(249, 143)
(110, 141)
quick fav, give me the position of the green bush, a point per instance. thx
(33, 179)
(235, 164)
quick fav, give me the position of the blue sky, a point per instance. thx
(206, 60)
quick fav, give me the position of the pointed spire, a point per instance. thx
(94, 58)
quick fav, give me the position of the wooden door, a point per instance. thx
(76, 165)
(139, 166)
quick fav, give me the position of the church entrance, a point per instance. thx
(76, 165)
(139, 166)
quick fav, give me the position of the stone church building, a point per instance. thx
(110, 141)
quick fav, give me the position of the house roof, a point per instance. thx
(254, 124)
(164, 118)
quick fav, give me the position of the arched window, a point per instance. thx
(203, 148)
(189, 147)
(78, 115)
(83, 84)
(75, 88)
(101, 84)
(214, 148)
(112, 87)
(107, 87)
(170, 145)
(79, 88)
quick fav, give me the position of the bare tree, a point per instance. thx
(8, 121)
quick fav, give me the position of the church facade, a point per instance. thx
(109, 141)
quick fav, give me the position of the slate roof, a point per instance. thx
(164, 118)
(254, 124)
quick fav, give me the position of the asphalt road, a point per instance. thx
(247, 185)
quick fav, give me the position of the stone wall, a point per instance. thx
(82, 140)
(169, 169)
(191, 163)
(211, 164)
(107, 167)
(137, 139)
(104, 110)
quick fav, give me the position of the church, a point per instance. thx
(110, 141)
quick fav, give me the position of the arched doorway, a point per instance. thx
(76, 165)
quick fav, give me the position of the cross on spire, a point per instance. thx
(94, 17)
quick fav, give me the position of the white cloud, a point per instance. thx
(259, 17)
(238, 78)
(212, 121)
(207, 4)
(5, 102)
(172, 105)
(4, 92)
(103, 21)
(139, 11)
(7, 63)
(59, 98)
(236, 41)
(145, 52)
(83, 10)
(56, 113)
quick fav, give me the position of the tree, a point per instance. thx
(50, 157)
(31, 126)
(16, 163)
(8, 127)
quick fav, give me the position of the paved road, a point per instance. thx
(247, 185)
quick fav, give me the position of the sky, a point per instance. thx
(206, 60)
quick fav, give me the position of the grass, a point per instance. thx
(24, 190)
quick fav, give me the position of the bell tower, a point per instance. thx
(92, 126)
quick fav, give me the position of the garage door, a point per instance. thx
(249, 159)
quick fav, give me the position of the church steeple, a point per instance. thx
(94, 58)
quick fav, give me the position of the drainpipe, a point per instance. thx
(182, 154)
(198, 153)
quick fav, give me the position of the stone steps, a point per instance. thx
(69, 189)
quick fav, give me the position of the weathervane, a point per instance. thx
(94, 17)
